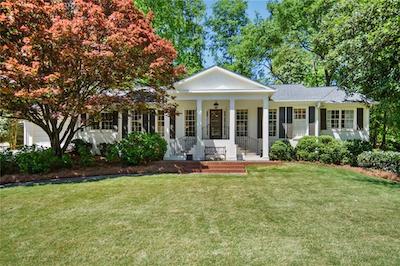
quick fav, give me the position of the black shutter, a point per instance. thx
(259, 122)
(152, 121)
(145, 117)
(124, 123)
(172, 122)
(311, 114)
(281, 122)
(115, 120)
(289, 115)
(360, 118)
(83, 121)
(323, 118)
(342, 119)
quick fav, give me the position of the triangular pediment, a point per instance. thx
(218, 79)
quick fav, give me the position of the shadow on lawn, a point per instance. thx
(380, 182)
(69, 180)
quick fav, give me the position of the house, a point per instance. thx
(223, 115)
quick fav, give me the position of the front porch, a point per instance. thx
(219, 128)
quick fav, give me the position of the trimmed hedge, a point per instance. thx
(385, 160)
(355, 148)
(141, 148)
(282, 150)
(325, 149)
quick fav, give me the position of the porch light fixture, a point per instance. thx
(216, 105)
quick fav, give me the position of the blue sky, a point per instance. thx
(253, 7)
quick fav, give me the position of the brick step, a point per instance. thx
(221, 171)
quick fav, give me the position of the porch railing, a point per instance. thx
(182, 145)
(248, 144)
(206, 133)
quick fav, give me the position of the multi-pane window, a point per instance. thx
(333, 117)
(299, 113)
(106, 121)
(160, 123)
(190, 123)
(241, 123)
(272, 122)
(347, 118)
(137, 121)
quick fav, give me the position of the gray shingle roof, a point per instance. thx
(297, 92)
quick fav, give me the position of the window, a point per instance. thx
(347, 118)
(106, 121)
(272, 122)
(241, 123)
(333, 117)
(299, 113)
(190, 123)
(160, 123)
(137, 121)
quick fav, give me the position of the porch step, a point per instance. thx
(213, 167)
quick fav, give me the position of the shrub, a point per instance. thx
(109, 151)
(80, 144)
(332, 151)
(34, 160)
(355, 148)
(140, 148)
(307, 149)
(384, 160)
(282, 150)
(7, 163)
(325, 149)
(84, 150)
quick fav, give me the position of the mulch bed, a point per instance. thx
(104, 169)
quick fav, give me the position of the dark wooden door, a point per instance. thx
(216, 124)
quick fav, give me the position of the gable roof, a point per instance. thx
(331, 94)
(218, 79)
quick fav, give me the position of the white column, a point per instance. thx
(166, 127)
(265, 127)
(167, 134)
(232, 120)
(317, 120)
(308, 121)
(199, 120)
(119, 126)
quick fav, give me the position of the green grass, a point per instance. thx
(290, 214)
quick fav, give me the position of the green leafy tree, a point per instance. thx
(363, 39)
(227, 19)
(180, 21)
(281, 47)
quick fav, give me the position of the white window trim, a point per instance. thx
(340, 129)
(90, 129)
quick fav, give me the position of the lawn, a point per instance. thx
(289, 214)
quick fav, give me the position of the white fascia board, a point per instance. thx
(230, 73)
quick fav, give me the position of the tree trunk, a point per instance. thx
(328, 77)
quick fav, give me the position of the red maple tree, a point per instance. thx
(59, 59)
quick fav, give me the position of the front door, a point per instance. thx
(216, 124)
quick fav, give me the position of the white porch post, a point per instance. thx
(167, 134)
(199, 120)
(232, 121)
(317, 120)
(265, 127)
(166, 127)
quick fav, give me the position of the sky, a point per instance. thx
(253, 7)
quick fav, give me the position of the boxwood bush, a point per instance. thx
(385, 160)
(356, 147)
(7, 163)
(141, 148)
(282, 150)
(33, 160)
(307, 149)
(324, 148)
